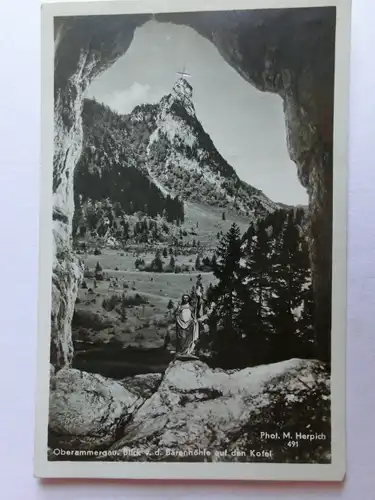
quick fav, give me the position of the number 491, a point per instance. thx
(293, 444)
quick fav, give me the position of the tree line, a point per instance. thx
(124, 184)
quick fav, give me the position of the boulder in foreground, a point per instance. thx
(87, 410)
(197, 409)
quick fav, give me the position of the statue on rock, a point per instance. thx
(187, 329)
(188, 318)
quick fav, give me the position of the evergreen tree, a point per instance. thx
(227, 298)
(291, 304)
(123, 311)
(254, 321)
(198, 263)
(157, 263)
(258, 269)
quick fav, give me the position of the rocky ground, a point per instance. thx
(193, 407)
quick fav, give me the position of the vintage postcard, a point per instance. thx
(192, 308)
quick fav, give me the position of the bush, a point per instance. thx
(157, 264)
(97, 251)
(139, 263)
(137, 300)
(111, 303)
(205, 269)
(88, 274)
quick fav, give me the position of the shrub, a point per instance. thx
(135, 301)
(111, 303)
(124, 300)
(157, 264)
(139, 263)
(170, 304)
(97, 251)
(87, 273)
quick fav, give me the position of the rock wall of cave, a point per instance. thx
(83, 49)
(288, 52)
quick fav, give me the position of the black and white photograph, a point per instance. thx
(196, 201)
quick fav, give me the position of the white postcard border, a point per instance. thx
(197, 471)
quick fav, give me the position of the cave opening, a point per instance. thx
(289, 55)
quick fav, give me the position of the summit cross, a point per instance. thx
(183, 73)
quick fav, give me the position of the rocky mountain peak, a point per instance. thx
(183, 160)
(182, 95)
(182, 89)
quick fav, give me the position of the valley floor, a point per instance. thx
(105, 340)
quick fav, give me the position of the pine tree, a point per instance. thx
(172, 262)
(123, 312)
(157, 263)
(98, 268)
(258, 268)
(254, 318)
(292, 299)
(198, 263)
(224, 322)
(165, 253)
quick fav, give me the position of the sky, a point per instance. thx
(247, 126)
